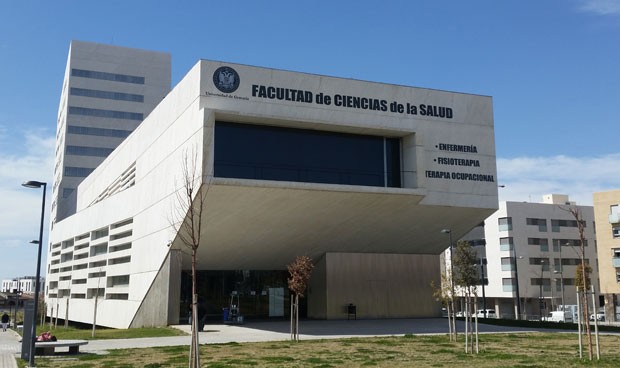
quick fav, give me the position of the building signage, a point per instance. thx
(227, 80)
(452, 162)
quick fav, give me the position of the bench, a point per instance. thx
(49, 347)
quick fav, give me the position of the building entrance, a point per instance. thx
(256, 294)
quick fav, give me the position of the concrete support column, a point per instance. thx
(174, 291)
(611, 301)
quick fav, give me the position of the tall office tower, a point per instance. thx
(107, 92)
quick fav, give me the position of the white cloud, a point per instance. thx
(30, 157)
(529, 178)
(602, 7)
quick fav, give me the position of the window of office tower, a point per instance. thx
(272, 153)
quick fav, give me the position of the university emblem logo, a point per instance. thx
(226, 79)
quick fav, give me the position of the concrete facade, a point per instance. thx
(107, 92)
(379, 285)
(607, 215)
(120, 249)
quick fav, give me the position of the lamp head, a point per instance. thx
(34, 242)
(33, 184)
(446, 231)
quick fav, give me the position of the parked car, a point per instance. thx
(486, 313)
(600, 316)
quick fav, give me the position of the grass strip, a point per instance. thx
(496, 350)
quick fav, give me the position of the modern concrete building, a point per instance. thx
(607, 216)
(107, 92)
(25, 285)
(360, 176)
(532, 252)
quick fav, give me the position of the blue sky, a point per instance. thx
(551, 66)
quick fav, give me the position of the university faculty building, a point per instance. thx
(360, 176)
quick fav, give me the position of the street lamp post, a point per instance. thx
(552, 281)
(540, 300)
(562, 276)
(483, 279)
(37, 282)
(514, 253)
(561, 286)
(449, 232)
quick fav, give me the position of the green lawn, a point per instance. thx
(71, 333)
(496, 350)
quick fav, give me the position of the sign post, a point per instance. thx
(29, 319)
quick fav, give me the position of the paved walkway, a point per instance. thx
(9, 348)
(280, 330)
(254, 331)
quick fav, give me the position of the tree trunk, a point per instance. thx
(485, 315)
(194, 355)
(454, 322)
(292, 314)
(466, 323)
(296, 317)
(584, 298)
(66, 314)
(598, 350)
(94, 313)
(584, 274)
(450, 312)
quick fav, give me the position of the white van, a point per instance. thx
(560, 316)
(486, 313)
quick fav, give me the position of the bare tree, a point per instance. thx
(97, 301)
(300, 271)
(443, 294)
(187, 220)
(582, 281)
(466, 277)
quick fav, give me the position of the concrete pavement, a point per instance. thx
(9, 348)
(257, 331)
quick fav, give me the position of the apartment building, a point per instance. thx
(607, 215)
(529, 254)
(24, 285)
